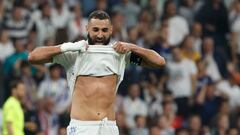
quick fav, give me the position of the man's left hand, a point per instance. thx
(122, 47)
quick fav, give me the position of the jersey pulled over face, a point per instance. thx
(99, 31)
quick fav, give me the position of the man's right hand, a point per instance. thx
(77, 46)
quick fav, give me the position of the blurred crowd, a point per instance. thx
(196, 93)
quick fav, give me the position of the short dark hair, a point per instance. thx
(99, 14)
(54, 66)
(14, 83)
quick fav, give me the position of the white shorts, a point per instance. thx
(103, 127)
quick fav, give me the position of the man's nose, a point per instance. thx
(100, 34)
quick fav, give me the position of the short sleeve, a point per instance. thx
(66, 59)
(10, 117)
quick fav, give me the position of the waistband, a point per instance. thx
(103, 122)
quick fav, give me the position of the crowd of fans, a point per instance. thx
(196, 93)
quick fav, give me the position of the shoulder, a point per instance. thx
(10, 103)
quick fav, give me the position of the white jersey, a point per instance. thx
(98, 60)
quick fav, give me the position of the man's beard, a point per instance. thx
(104, 41)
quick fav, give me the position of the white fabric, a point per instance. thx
(232, 91)
(61, 19)
(58, 90)
(197, 45)
(212, 68)
(180, 77)
(45, 30)
(98, 60)
(133, 108)
(74, 30)
(178, 29)
(154, 106)
(80, 46)
(6, 50)
(103, 127)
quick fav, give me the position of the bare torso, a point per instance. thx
(94, 98)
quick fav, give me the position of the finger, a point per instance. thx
(114, 46)
(117, 48)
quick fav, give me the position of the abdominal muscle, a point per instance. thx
(94, 98)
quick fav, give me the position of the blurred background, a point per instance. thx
(196, 93)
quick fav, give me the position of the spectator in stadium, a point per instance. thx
(129, 10)
(132, 104)
(187, 49)
(230, 88)
(182, 80)
(76, 27)
(178, 25)
(49, 123)
(17, 24)
(154, 130)
(221, 125)
(196, 32)
(187, 9)
(170, 112)
(162, 45)
(195, 125)
(30, 84)
(6, 45)
(210, 57)
(32, 123)
(55, 87)
(153, 98)
(165, 126)
(207, 103)
(44, 24)
(61, 18)
(140, 129)
(214, 18)
(12, 63)
(120, 31)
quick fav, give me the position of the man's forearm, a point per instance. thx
(43, 54)
(150, 57)
(9, 129)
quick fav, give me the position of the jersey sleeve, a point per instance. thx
(66, 59)
(10, 114)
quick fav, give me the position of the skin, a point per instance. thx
(94, 97)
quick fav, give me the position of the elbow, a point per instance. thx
(161, 62)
